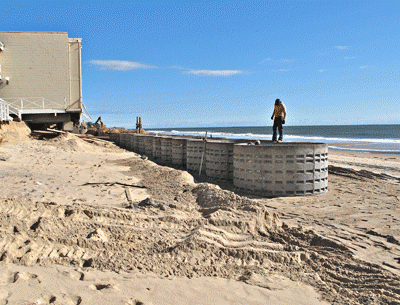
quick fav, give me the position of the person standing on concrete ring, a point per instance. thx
(280, 117)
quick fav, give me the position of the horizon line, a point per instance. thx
(202, 127)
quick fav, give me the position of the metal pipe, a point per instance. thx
(80, 75)
(69, 72)
(204, 150)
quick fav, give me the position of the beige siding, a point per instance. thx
(40, 64)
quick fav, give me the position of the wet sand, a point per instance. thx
(69, 235)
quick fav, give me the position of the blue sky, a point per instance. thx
(223, 63)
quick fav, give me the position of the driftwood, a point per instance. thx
(113, 183)
(57, 131)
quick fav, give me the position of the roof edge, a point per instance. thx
(32, 32)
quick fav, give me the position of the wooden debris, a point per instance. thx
(130, 198)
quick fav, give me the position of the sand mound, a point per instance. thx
(14, 132)
(210, 195)
(70, 142)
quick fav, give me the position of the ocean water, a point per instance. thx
(362, 138)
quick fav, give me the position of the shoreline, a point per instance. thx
(367, 148)
(74, 217)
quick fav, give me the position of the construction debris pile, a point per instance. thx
(99, 127)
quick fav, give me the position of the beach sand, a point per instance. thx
(69, 234)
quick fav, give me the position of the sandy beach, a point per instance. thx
(70, 232)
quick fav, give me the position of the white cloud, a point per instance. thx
(282, 70)
(214, 72)
(363, 67)
(341, 47)
(121, 65)
(177, 67)
(265, 60)
(287, 60)
(322, 70)
(349, 57)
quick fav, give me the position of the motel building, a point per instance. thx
(41, 79)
